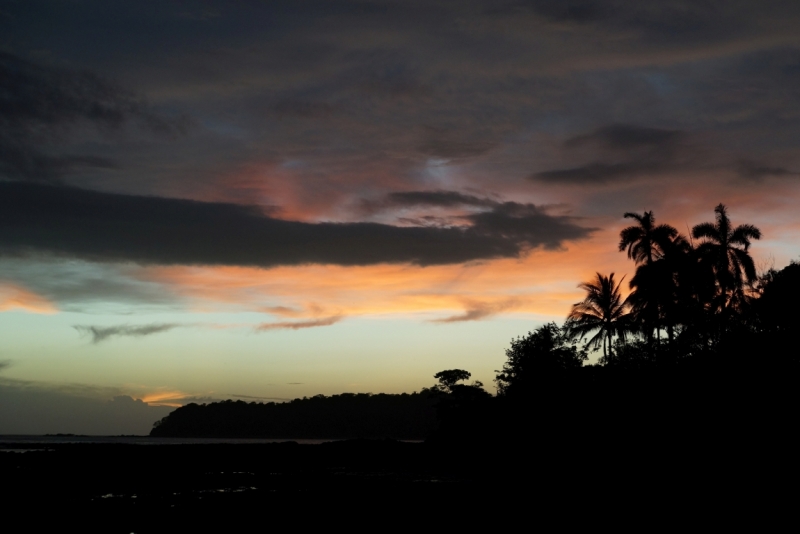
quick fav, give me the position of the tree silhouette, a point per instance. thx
(726, 249)
(450, 377)
(603, 310)
(645, 242)
(651, 246)
(539, 355)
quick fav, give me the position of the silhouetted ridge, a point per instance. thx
(349, 415)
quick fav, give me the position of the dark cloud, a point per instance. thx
(643, 151)
(598, 173)
(39, 103)
(478, 311)
(753, 170)
(523, 223)
(102, 333)
(298, 325)
(24, 161)
(110, 227)
(646, 23)
(5, 364)
(33, 93)
(318, 103)
(626, 137)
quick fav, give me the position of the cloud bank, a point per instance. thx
(99, 226)
(40, 104)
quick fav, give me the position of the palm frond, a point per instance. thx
(742, 235)
(706, 231)
(746, 261)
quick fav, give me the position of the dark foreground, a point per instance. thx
(376, 485)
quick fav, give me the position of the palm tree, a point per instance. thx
(603, 310)
(646, 242)
(653, 248)
(726, 249)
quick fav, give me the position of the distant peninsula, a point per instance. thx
(348, 415)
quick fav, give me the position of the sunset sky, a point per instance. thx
(264, 200)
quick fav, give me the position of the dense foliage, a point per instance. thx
(349, 415)
(543, 353)
(696, 292)
(692, 302)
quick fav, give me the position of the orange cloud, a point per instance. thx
(165, 398)
(543, 283)
(14, 297)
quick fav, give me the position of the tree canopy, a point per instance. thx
(543, 352)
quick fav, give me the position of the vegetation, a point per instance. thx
(699, 329)
(404, 416)
(603, 310)
(691, 300)
(543, 353)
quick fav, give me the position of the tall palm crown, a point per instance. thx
(603, 310)
(646, 242)
(653, 248)
(727, 250)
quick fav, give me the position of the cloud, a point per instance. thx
(626, 137)
(39, 103)
(755, 171)
(526, 223)
(650, 26)
(28, 407)
(434, 198)
(102, 333)
(423, 199)
(597, 173)
(5, 364)
(15, 297)
(173, 398)
(521, 223)
(285, 311)
(99, 226)
(27, 162)
(297, 325)
(625, 152)
(479, 311)
(72, 285)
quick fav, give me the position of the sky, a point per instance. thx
(266, 200)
